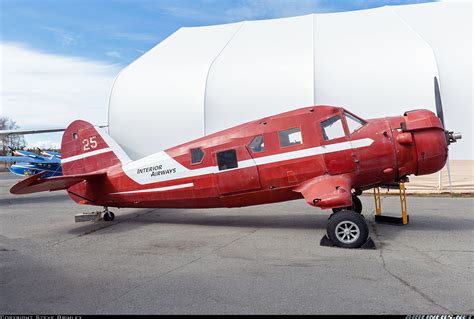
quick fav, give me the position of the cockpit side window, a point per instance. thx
(196, 155)
(257, 144)
(332, 128)
(353, 122)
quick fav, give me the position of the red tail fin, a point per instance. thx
(86, 153)
(86, 149)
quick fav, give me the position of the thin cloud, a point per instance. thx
(273, 8)
(66, 38)
(212, 11)
(40, 90)
(132, 36)
(115, 32)
(113, 54)
(218, 11)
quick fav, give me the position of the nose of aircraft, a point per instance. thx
(422, 143)
(432, 151)
(431, 140)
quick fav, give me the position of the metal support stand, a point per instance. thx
(379, 218)
(91, 217)
(88, 217)
(378, 202)
(403, 203)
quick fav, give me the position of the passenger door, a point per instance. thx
(237, 171)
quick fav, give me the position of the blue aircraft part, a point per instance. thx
(27, 163)
(25, 169)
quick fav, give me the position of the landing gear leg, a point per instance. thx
(356, 206)
(347, 229)
(108, 215)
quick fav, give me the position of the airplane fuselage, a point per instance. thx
(263, 161)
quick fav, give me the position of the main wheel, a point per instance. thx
(109, 216)
(356, 206)
(347, 229)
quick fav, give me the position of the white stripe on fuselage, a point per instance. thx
(160, 167)
(159, 189)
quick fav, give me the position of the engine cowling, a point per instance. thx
(429, 139)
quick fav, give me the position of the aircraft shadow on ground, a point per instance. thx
(271, 221)
(201, 218)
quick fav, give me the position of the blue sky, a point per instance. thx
(59, 57)
(119, 31)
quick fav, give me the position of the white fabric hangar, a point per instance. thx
(377, 62)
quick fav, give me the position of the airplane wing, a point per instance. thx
(327, 191)
(54, 159)
(35, 183)
(51, 160)
(25, 159)
(26, 153)
(34, 131)
(51, 154)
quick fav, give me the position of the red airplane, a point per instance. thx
(325, 154)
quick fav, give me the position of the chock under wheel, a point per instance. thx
(326, 242)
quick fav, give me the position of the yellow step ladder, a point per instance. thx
(379, 218)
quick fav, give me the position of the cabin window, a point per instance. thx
(353, 122)
(196, 155)
(290, 137)
(332, 128)
(227, 160)
(257, 144)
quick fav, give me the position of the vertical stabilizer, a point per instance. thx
(86, 149)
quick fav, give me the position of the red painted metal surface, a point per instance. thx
(323, 171)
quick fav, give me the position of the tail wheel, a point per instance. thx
(347, 229)
(109, 216)
(356, 206)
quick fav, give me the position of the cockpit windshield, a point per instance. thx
(353, 123)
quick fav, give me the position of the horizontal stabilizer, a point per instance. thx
(35, 183)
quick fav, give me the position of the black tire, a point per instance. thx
(347, 229)
(109, 216)
(356, 206)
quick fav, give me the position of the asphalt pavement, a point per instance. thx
(254, 260)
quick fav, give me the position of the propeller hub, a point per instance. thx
(453, 137)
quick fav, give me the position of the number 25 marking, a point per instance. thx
(89, 143)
